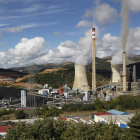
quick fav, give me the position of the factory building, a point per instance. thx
(117, 79)
(113, 116)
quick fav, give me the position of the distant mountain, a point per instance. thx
(45, 66)
(10, 73)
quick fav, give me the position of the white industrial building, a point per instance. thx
(113, 117)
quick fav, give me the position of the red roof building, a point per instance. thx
(3, 130)
(102, 113)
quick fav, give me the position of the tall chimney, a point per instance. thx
(124, 70)
(80, 80)
(93, 61)
(134, 73)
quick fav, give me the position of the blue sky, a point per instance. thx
(55, 31)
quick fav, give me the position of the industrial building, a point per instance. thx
(117, 79)
(113, 116)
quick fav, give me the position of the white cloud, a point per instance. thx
(32, 50)
(105, 14)
(132, 46)
(84, 23)
(14, 29)
(32, 25)
(24, 52)
(33, 8)
(56, 33)
(3, 25)
(88, 13)
(134, 5)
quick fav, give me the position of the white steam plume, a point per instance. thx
(117, 58)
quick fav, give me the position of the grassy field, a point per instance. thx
(8, 117)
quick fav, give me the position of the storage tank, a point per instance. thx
(66, 94)
(86, 96)
(80, 80)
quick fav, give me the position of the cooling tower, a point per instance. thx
(80, 80)
(116, 73)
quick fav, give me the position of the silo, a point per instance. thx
(80, 80)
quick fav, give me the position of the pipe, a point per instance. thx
(124, 71)
(93, 61)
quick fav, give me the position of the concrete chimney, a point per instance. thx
(93, 61)
(80, 80)
(134, 73)
(124, 70)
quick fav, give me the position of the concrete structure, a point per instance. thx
(23, 98)
(93, 61)
(80, 80)
(119, 86)
(116, 73)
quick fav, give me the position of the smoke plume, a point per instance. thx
(117, 58)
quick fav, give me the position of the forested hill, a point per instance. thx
(11, 73)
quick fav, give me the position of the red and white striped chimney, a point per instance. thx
(93, 61)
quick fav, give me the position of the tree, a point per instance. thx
(20, 114)
(134, 130)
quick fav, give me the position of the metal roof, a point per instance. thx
(116, 112)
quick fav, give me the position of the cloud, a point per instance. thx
(33, 50)
(89, 13)
(33, 8)
(105, 14)
(24, 52)
(32, 25)
(84, 23)
(132, 46)
(13, 30)
(56, 33)
(1, 25)
(134, 5)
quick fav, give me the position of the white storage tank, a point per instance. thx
(66, 94)
(86, 96)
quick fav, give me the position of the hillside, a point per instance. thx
(8, 73)
(57, 75)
